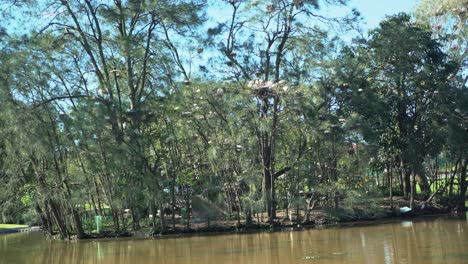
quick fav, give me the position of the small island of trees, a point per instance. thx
(165, 116)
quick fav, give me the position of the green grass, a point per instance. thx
(12, 226)
(441, 183)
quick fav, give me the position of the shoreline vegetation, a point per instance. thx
(133, 118)
(319, 219)
(221, 227)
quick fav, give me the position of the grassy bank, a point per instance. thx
(12, 226)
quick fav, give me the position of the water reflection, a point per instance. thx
(433, 241)
(387, 253)
(406, 223)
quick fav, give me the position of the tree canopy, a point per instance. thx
(132, 109)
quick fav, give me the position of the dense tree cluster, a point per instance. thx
(153, 105)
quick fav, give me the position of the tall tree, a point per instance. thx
(260, 42)
(406, 87)
(448, 20)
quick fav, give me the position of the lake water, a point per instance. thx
(434, 240)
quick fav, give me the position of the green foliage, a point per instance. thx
(356, 206)
(100, 110)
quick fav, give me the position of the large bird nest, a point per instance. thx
(267, 89)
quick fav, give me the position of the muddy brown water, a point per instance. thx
(433, 240)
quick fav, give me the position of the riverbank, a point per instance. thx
(223, 227)
(12, 228)
(319, 218)
(378, 211)
(220, 227)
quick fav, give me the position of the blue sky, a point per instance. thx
(374, 11)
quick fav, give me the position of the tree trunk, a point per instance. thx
(266, 188)
(76, 216)
(173, 200)
(46, 223)
(413, 189)
(452, 178)
(227, 192)
(248, 217)
(310, 206)
(266, 165)
(463, 187)
(78, 224)
(407, 183)
(400, 176)
(162, 219)
(406, 175)
(115, 218)
(267, 142)
(153, 213)
(54, 208)
(420, 176)
(390, 176)
(187, 207)
(273, 196)
(49, 217)
(297, 212)
(136, 218)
